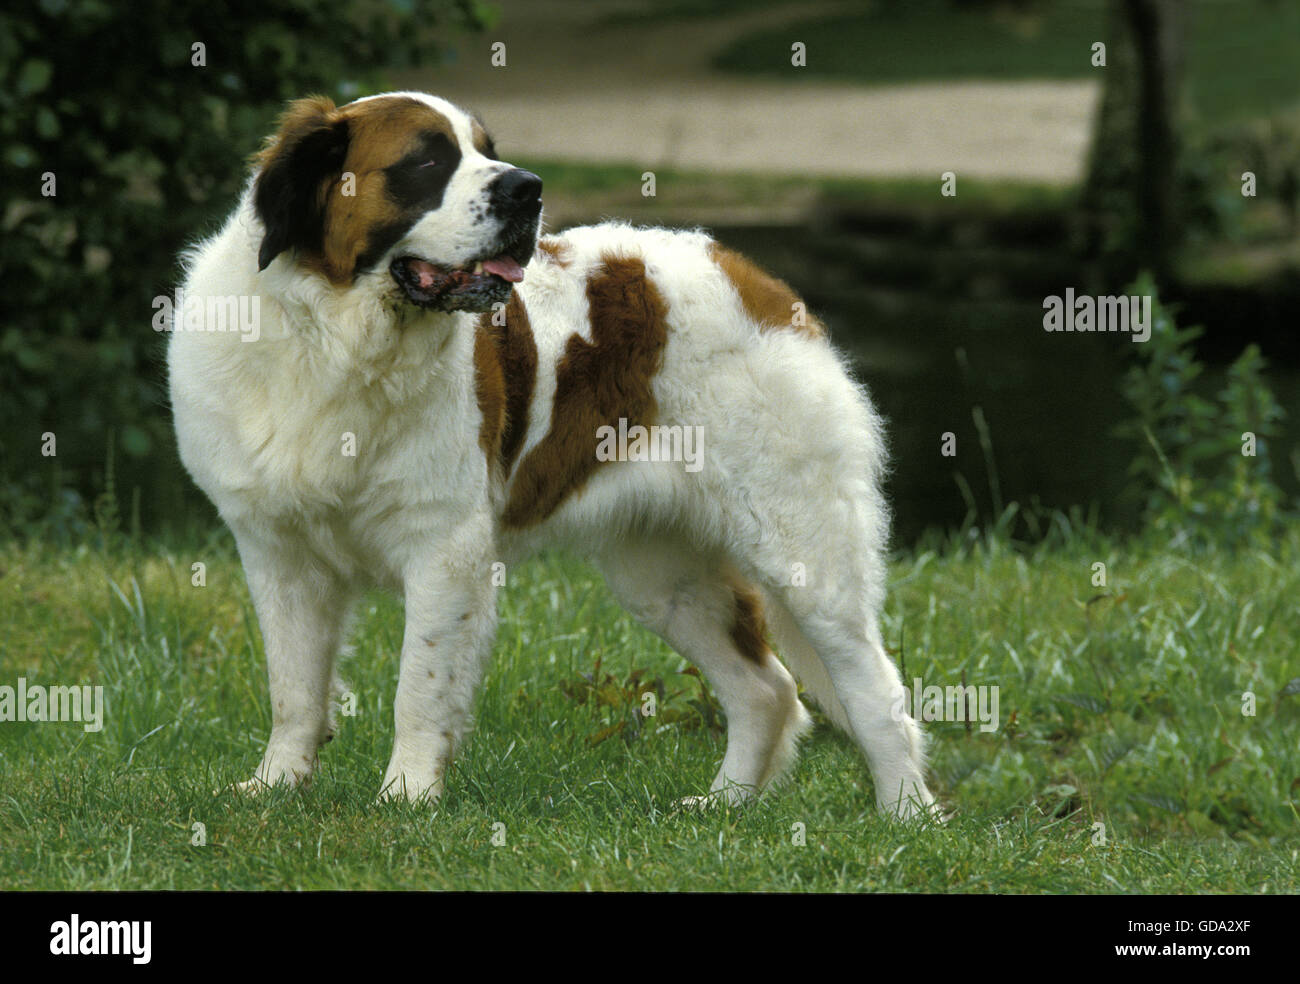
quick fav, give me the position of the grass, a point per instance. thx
(578, 192)
(687, 10)
(581, 191)
(1240, 56)
(1118, 705)
(712, 188)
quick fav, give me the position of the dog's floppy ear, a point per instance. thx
(298, 165)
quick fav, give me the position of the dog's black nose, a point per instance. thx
(516, 189)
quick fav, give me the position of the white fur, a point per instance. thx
(793, 456)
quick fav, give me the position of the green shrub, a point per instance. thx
(146, 148)
(1201, 466)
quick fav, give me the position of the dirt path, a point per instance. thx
(577, 86)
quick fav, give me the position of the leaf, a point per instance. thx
(47, 124)
(20, 155)
(34, 77)
(136, 441)
(1085, 701)
(605, 733)
(1114, 751)
(1160, 802)
(1203, 825)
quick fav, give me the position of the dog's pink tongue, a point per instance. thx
(505, 268)
(426, 271)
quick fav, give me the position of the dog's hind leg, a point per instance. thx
(804, 518)
(706, 612)
(827, 625)
(870, 694)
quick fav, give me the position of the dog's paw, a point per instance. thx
(266, 779)
(733, 795)
(405, 789)
(695, 804)
(257, 785)
(915, 810)
(249, 787)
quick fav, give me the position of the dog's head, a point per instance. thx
(404, 183)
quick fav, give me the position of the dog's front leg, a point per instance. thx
(302, 607)
(450, 624)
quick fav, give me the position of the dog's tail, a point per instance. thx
(802, 660)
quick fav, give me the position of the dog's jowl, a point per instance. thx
(435, 388)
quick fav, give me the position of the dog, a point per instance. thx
(435, 389)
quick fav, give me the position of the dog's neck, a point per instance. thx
(375, 348)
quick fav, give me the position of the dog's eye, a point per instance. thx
(431, 164)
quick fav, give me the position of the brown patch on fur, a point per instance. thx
(557, 250)
(482, 139)
(768, 301)
(382, 131)
(490, 390)
(295, 168)
(748, 629)
(376, 134)
(299, 118)
(596, 383)
(505, 360)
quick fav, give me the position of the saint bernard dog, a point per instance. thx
(425, 398)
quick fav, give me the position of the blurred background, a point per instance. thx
(1134, 146)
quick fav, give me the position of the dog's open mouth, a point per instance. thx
(473, 286)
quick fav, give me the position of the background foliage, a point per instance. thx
(146, 149)
(1189, 468)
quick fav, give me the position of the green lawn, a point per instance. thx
(1119, 706)
(1241, 57)
(586, 192)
